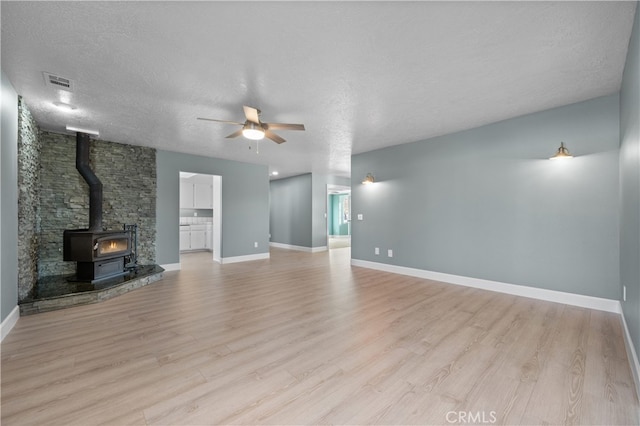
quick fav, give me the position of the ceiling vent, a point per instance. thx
(58, 82)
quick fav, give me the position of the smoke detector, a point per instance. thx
(58, 82)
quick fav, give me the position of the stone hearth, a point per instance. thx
(64, 291)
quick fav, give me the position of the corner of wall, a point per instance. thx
(9, 322)
(8, 202)
(629, 184)
(29, 167)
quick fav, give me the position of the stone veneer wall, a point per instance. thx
(29, 151)
(128, 175)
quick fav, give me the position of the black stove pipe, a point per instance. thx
(95, 186)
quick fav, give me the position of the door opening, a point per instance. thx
(338, 216)
(200, 213)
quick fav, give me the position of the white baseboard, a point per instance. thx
(171, 267)
(299, 248)
(9, 322)
(598, 303)
(247, 258)
(339, 236)
(631, 353)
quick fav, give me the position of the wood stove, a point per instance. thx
(99, 254)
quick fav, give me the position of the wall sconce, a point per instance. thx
(562, 154)
(368, 179)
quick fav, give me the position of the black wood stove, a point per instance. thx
(99, 254)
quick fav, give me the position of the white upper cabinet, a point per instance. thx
(196, 192)
(186, 194)
(202, 196)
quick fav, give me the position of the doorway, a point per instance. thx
(339, 216)
(200, 214)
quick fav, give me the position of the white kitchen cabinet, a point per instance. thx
(196, 195)
(186, 195)
(202, 196)
(193, 237)
(198, 237)
(185, 238)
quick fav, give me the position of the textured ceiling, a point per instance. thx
(359, 75)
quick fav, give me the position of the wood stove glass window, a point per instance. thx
(113, 245)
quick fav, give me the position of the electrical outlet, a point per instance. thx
(624, 293)
(195, 214)
(390, 253)
(377, 251)
(255, 244)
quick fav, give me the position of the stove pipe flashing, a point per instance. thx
(95, 186)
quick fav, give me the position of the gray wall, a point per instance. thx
(245, 204)
(299, 207)
(318, 210)
(9, 200)
(630, 184)
(486, 203)
(290, 219)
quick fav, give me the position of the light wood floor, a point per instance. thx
(306, 339)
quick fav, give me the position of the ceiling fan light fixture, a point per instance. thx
(253, 131)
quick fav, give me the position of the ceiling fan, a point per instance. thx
(255, 129)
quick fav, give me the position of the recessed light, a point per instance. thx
(89, 132)
(274, 173)
(64, 106)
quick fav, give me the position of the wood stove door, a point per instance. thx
(113, 245)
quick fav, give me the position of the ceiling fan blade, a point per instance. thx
(235, 134)
(252, 114)
(283, 126)
(220, 121)
(273, 136)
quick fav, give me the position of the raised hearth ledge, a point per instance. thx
(151, 274)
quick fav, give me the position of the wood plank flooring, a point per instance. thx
(307, 339)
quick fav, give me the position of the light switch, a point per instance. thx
(359, 216)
